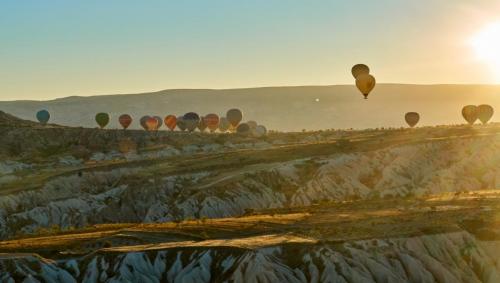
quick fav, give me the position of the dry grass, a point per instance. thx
(332, 222)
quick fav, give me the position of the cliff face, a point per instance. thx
(87, 205)
(450, 257)
(127, 195)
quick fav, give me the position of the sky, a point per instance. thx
(58, 48)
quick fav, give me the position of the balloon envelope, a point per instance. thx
(224, 124)
(252, 124)
(181, 124)
(412, 118)
(243, 128)
(160, 121)
(171, 122)
(212, 121)
(485, 112)
(152, 124)
(191, 119)
(470, 113)
(359, 69)
(365, 83)
(260, 131)
(102, 119)
(234, 116)
(125, 120)
(143, 122)
(202, 125)
(43, 116)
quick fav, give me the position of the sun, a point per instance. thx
(486, 44)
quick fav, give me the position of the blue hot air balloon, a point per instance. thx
(43, 116)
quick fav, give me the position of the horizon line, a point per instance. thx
(246, 88)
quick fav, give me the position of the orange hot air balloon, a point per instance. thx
(171, 122)
(365, 83)
(359, 69)
(152, 124)
(485, 112)
(412, 118)
(212, 121)
(470, 113)
(125, 120)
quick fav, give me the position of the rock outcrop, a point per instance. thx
(112, 196)
(451, 257)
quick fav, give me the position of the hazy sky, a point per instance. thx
(57, 48)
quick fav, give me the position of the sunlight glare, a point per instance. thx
(486, 44)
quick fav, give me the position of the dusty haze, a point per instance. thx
(279, 108)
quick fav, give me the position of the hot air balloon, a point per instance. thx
(201, 124)
(243, 129)
(365, 84)
(102, 119)
(260, 131)
(224, 124)
(152, 124)
(171, 122)
(212, 121)
(234, 117)
(485, 112)
(160, 121)
(125, 120)
(181, 124)
(470, 113)
(412, 118)
(252, 125)
(359, 69)
(191, 119)
(43, 116)
(143, 122)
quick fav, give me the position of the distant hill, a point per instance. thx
(280, 108)
(7, 120)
